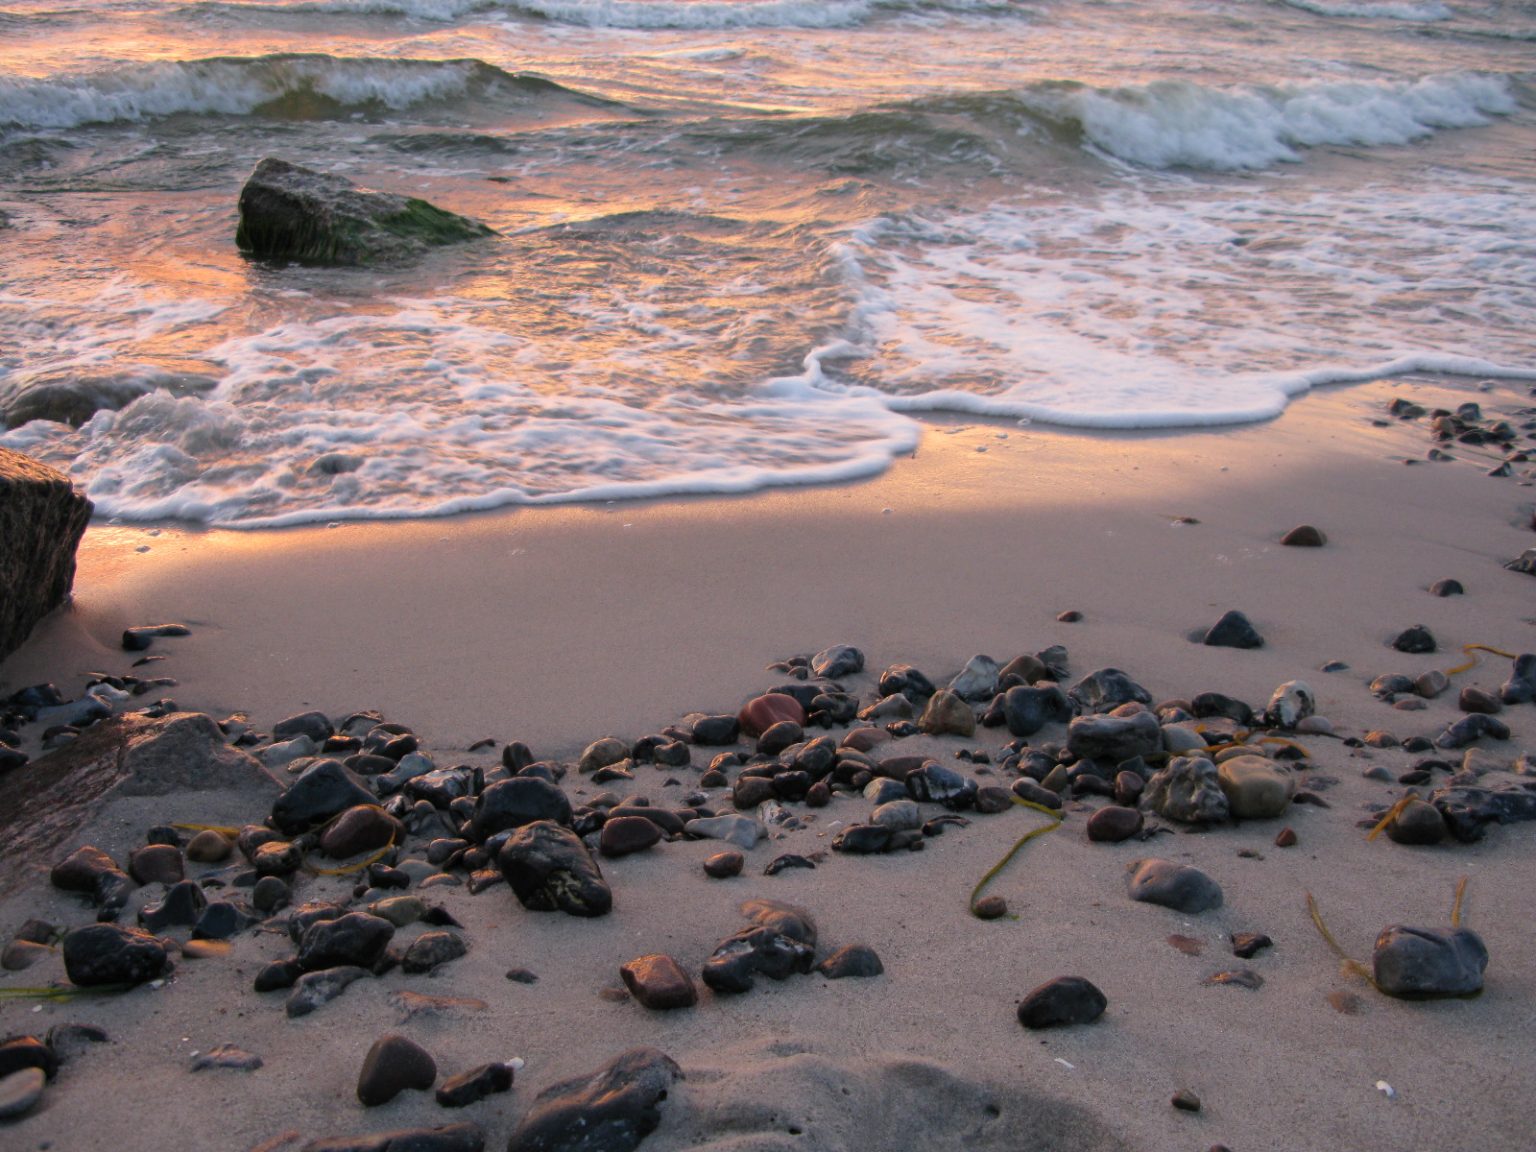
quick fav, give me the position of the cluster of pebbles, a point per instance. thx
(366, 801)
(1475, 432)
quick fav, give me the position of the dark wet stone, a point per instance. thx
(990, 908)
(992, 799)
(763, 712)
(361, 828)
(430, 949)
(862, 839)
(394, 1064)
(475, 1085)
(1106, 689)
(1247, 945)
(550, 869)
(781, 941)
(1304, 536)
(27, 1052)
(1423, 962)
(1028, 709)
(1417, 639)
(780, 736)
(442, 1138)
(1417, 823)
(716, 731)
(324, 789)
(1208, 704)
(102, 954)
(723, 865)
(1113, 824)
(271, 894)
(182, 904)
(1472, 699)
(91, 871)
(354, 939)
(787, 861)
(279, 974)
(1471, 728)
(1233, 630)
(750, 791)
(1468, 809)
(1520, 688)
(1129, 787)
(837, 661)
(221, 920)
(935, 783)
(1114, 738)
(277, 858)
(791, 786)
(1447, 588)
(851, 960)
(906, 680)
(522, 976)
(138, 638)
(1185, 1101)
(610, 1110)
(1063, 1001)
(623, 835)
(659, 983)
(1176, 886)
(20, 1092)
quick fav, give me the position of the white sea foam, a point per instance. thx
(1175, 123)
(1414, 13)
(226, 86)
(1140, 312)
(704, 14)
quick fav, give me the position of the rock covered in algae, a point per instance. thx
(288, 212)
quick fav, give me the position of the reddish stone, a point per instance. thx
(659, 982)
(763, 712)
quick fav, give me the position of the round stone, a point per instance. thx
(724, 865)
(763, 712)
(622, 835)
(990, 908)
(1113, 824)
(1063, 1001)
(156, 864)
(393, 1065)
(1418, 823)
(209, 847)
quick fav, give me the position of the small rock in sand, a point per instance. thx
(393, 1065)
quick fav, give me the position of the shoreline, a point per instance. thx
(558, 626)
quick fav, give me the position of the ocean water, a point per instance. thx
(740, 242)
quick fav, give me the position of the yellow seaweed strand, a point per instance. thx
(1390, 815)
(224, 830)
(992, 872)
(1461, 892)
(1350, 963)
(1471, 661)
(59, 992)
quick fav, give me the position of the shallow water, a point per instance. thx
(741, 242)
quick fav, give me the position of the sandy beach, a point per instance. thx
(556, 626)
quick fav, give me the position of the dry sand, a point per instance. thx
(556, 626)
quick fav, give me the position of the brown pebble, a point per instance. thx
(1475, 699)
(819, 795)
(1246, 945)
(1070, 616)
(393, 1065)
(1304, 536)
(156, 864)
(1379, 739)
(724, 865)
(1286, 837)
(990, 908)
(209, 847)
(1112, 824)
(658, 982)
(1186, 1101)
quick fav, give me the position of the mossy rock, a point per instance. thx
(292, 213)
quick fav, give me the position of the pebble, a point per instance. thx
(1472, 699)
(602, 753)
(898, 815)
(431, 949)
(20, 1091)
(226, 1056)
(1285, 838)
(1114, 738)
(1188, 790)
(1447, 588)
(1238, 978)
(1520, 688)
(724, 865)
(28, 1052)
(1233, 630)
(786, 861)
(1469, 728)
(1066, 1000)
(1418, 824)
(323, 790)
(838, 661)
(851, 961)
(209, 847)
(1105, 689)
(623, 835)
(990, 908)
(609, 1110)
(742, 831)
(475, 1085)
(763, 712)
(1290, 704)
(522, 976)
(156, 864)
(1176, 886)
(355, 938)
(977, 680)
(1247, 945)
(19, 955)
(658, 982)
(549, 869)
(314, 989)
(1029, 708)
(181, 905)
(1425, 962)
(947, 713)
(270, 894)
(442, 1138)
(394, 1064)
(1430, 684)
(1185, 1101)
(1113, 824)
(361, 828)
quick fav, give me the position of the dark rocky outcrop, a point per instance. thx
(292, 213)
(42, 518)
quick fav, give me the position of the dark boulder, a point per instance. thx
(610, 1110)
(292, 213)
(42, 518)
(550, 869)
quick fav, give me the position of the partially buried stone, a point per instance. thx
(226, 1056)
(1185, 1101)
(1113, 824)
(1417, 639)
(1032, 793)
(442, 1138)
(1176, 886)
(1066, 1000)
(549, 869)
(102, 954)
(1417, 823)
(209, 847)
(1187, 790)
(742, 831)
(1237, 978)
(787, 861)
(1422, 963)
(394, 1064)
(1114, 738)
(659, 983)
(475, 1085)
(990, 908)
(314, 989)
(723, 865)
(1027, 709)
(356, 938)
(851, 960)
(430, 949)
(610, 1110)
(1247, 945)
(1447, 588)
(1233, 630)
(1304, 536)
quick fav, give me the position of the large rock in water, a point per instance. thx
(42, 518)
(293, 213)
